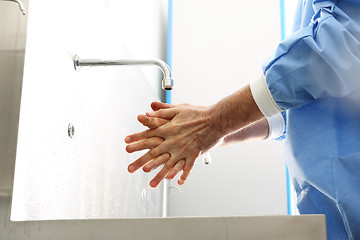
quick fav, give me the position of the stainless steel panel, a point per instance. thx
(309, 227)
(12, 50)
(83, 177)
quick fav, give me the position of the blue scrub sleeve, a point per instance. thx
(320, 60)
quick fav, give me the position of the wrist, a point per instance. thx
(216, 126)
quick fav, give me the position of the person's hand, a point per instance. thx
(177, 135)
(148, 143)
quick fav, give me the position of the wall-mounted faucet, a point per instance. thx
(21, 5)
(167, 82)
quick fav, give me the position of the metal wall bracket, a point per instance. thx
(21, 5)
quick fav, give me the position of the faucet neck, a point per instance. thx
(167, 83)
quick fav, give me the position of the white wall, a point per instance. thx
(218, 47)
(144, 26)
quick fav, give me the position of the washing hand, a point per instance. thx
(177, 135)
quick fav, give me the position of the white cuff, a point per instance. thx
(276, 126)
(263, 97)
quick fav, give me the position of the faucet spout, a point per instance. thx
(21, 5)
(167, 83)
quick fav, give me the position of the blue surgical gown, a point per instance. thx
(314, 75)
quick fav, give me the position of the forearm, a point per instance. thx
(235, 112)
(258, 130)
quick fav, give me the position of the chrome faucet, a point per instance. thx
(167, 82)
(21, 5)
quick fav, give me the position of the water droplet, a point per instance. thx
(144, 193)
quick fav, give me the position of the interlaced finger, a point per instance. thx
(161, 174)
(176, 169)
(152, 122)
(162, 159)
(159, 105)
(147, 143)
(141, 135)
(147, 157)
(186, 171)
(168, 113)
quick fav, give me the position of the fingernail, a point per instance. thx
(127, 139)
(153, 184)
(180, 182)
(131, 168)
